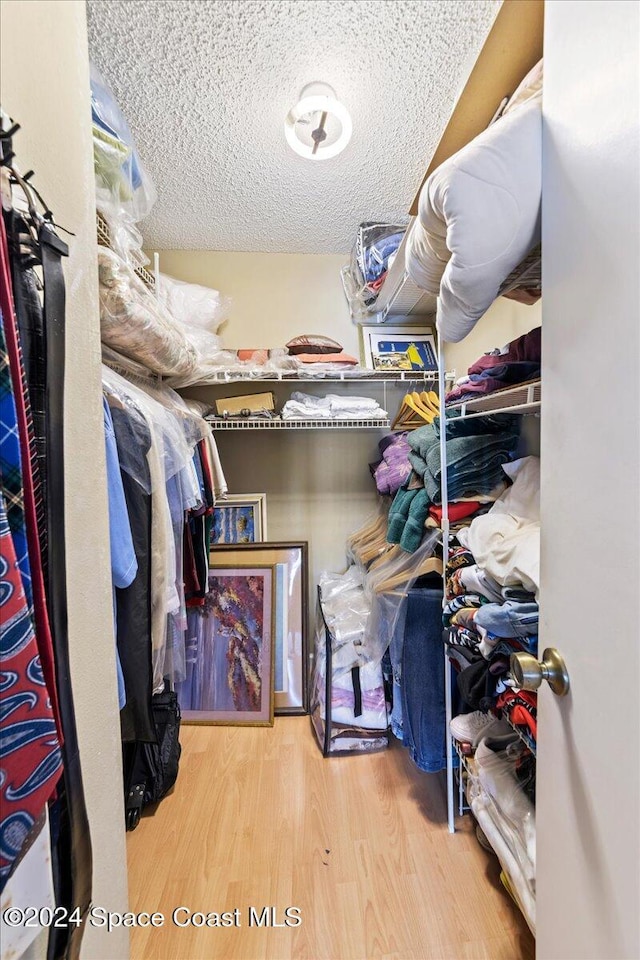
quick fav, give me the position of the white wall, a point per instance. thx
(504, 321)
(588, 787)
(318, 483)
(45, 88)
(276, 296)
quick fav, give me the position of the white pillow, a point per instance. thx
(483, 204)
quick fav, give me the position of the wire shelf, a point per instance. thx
(523, 733)
(464, 770)
(104, 239)
(524, 398)
(256, 423)
(346, 376)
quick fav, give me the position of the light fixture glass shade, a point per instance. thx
(318, 112)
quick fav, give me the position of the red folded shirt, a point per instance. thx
(457, 511)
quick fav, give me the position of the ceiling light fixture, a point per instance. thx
(319, 126)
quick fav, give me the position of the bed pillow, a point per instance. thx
(313, 343)
(490, 202)
(481, 210)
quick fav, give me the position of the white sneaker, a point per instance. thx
(469, 727)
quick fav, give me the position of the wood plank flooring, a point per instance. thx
(359, 844)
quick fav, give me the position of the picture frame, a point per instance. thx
(239, 518)
(291, 643)
(399, 348)
(230, 660)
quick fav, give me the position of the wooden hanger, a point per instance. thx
(429, 565)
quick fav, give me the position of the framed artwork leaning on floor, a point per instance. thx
(240, 518)
(230, 648)
(289, 561)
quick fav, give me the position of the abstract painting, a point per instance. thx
(230, 648)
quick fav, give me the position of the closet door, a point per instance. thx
(588, 773)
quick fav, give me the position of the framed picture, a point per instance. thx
(291, 656)
(231, 649)
(399, 348)
(240, 518)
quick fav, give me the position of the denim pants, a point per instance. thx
(422, 686)
(509, 619)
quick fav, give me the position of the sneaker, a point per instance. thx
(469, 727)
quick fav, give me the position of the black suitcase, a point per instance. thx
(151, 769)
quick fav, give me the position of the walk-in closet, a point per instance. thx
(319, 471)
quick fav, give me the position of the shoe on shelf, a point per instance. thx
(469, 727)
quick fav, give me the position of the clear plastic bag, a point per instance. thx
(158, 447)
(370, 540)
(174, 428)
(386, 586)
(356, 720)
(193, 305)
(499, 789)
(371, 257)
(134, 323)
(346, 611)
(122, 182)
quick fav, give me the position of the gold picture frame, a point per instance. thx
(230, 660)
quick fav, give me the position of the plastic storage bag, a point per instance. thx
(192, 304)
(134, 323)
(500, 789)
(372, 255)
(348, 710)
(122, 183)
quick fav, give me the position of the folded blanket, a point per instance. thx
(527, 347)
(327, 358)
(494, 378)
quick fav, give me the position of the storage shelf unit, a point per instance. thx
(256, 423)
(346, 376)
(399, 296)
(524, 398)
(104, 240)
(524, 735)
(464, 770)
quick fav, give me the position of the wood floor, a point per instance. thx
(359, 844)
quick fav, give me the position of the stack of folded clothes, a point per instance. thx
(304, 406)
(394, 468)
(476, 450)
(507, 366)
(491, 609)
(315, 348)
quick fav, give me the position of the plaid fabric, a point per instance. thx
(11, 468)
(34, 517)
(31, 359)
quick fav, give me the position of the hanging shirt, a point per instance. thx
(124, 565)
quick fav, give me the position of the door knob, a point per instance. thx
(528, 673)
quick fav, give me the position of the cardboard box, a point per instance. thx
(234, 406)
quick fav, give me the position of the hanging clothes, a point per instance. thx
(133, 602)
(39, 523)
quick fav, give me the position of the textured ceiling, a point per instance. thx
(206, 84)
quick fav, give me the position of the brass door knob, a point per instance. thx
(528, 673)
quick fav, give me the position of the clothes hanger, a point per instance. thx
(428, 565)
(30, 192)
